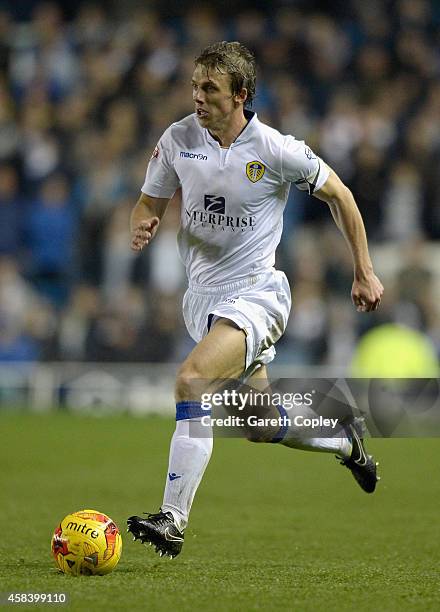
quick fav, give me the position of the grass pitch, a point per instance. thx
(271, 528)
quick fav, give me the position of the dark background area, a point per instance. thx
(87, 89)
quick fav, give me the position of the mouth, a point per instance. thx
(202, 114)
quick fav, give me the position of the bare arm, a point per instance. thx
(145, 219)
(367, 289)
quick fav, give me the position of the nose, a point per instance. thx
(197, 96)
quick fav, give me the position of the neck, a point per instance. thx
(226, 134)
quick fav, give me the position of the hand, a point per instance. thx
(366, 292)
(143, 233)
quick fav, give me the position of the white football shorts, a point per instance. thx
(259, 305)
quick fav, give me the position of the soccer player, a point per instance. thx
(235, 173)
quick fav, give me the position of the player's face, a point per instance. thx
(213, 98)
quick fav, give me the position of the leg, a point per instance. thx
(221, 354)
(290, 436)
(348, 445)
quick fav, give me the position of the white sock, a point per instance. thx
(294, 436)
(190, 451)
(340, 446)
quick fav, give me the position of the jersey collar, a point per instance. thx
(250, 127)
(245, 134)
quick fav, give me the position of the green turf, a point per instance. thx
(271, 528)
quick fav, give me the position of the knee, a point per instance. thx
(188, 382)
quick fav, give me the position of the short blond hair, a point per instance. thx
(234, 59)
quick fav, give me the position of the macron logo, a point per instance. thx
(174, 476)
(193, 155)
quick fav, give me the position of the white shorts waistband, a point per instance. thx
(249, 281)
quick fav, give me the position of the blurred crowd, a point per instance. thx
(84, 98)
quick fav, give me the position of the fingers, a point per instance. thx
(143, 233)
(371, 306)
(365, 305)
(361, 305)
(366, 295)
(358, 302)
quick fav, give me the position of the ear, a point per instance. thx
(241, 97)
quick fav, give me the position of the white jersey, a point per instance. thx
(232, 199)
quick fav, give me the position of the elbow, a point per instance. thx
(346, 191)
(342, 196)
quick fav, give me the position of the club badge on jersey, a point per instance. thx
(255, 171)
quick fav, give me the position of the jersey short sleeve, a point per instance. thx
(302, 167)
(161, 180)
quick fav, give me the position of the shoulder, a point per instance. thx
(274, 139)
(270, 134)
(188, 122)
(185, 131)
(270, 143)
